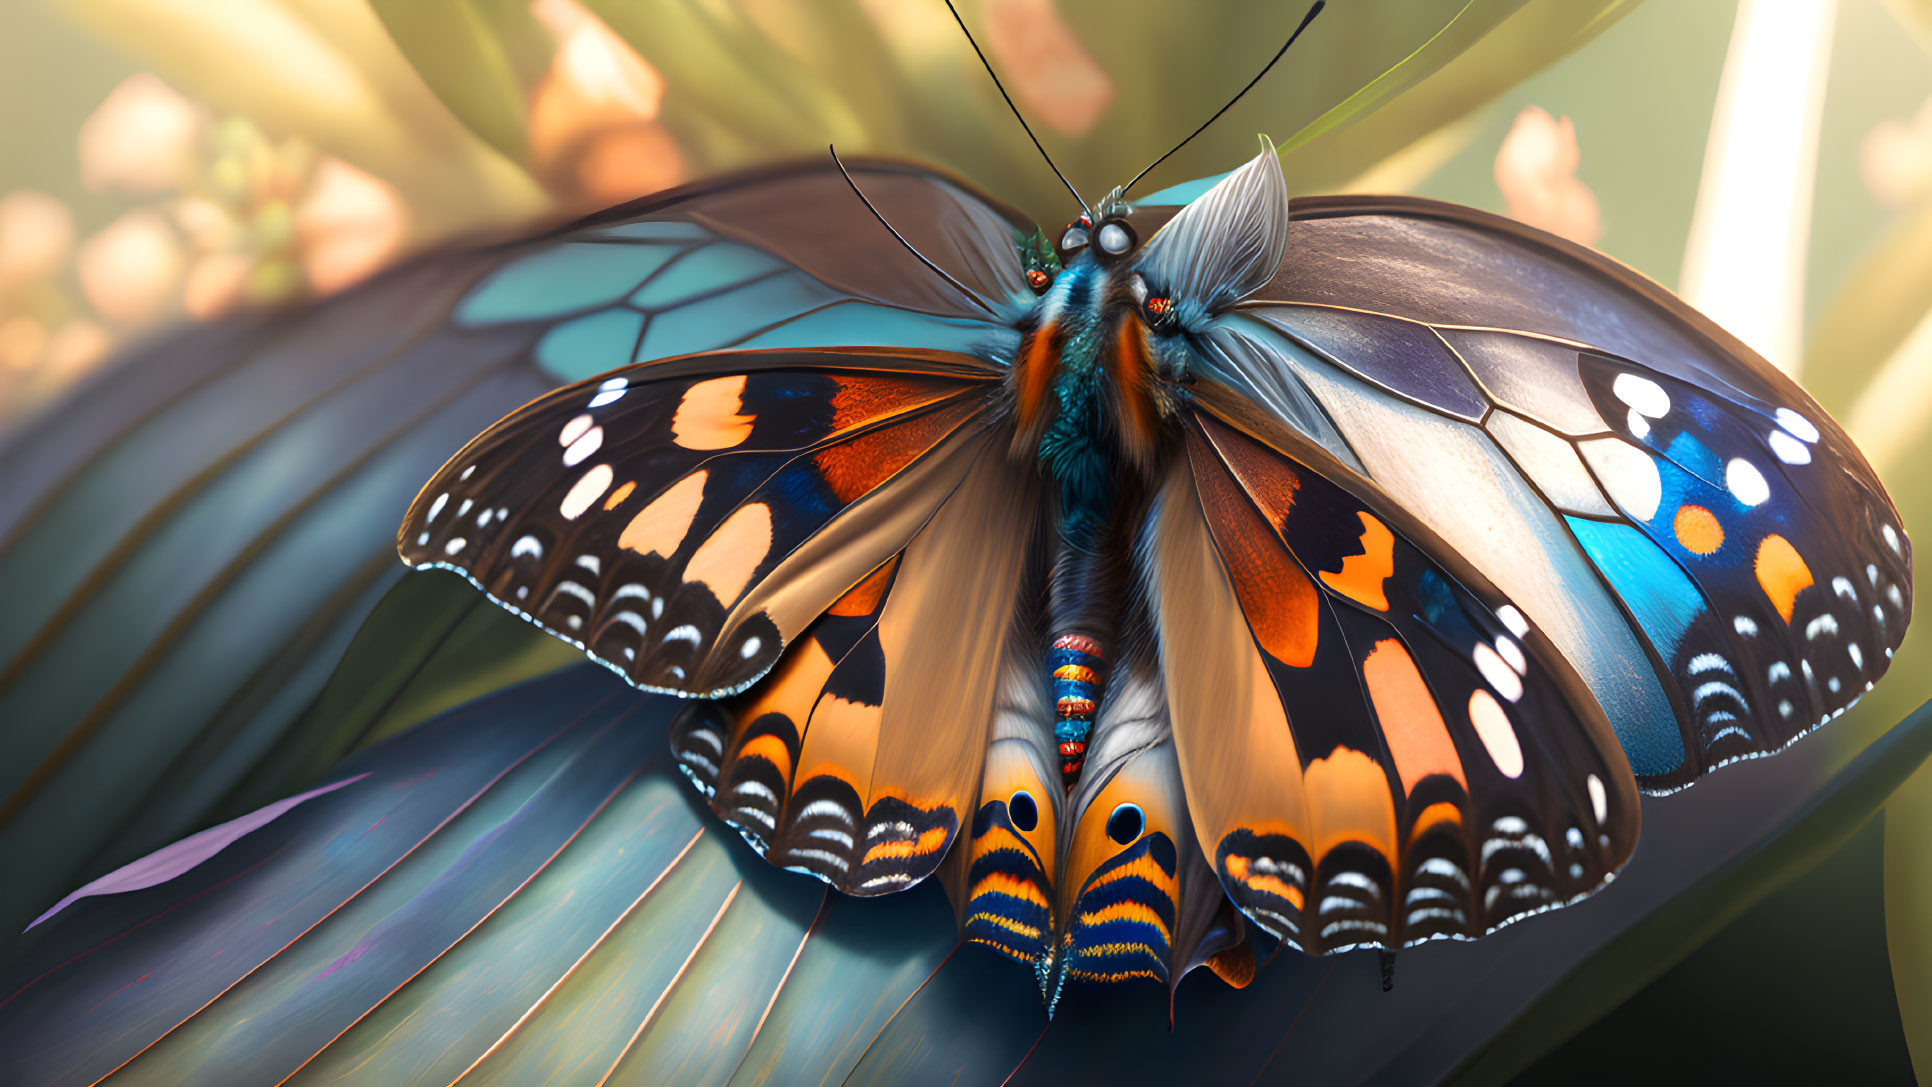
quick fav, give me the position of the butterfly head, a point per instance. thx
(1118, 316)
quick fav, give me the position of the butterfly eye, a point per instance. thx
(1023, 811)
(1038, 280)
(1126, 823)
(1074, 238)
(1115, 238)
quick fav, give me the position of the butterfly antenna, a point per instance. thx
(1305, 20)
(1001, 87)
(923, 259)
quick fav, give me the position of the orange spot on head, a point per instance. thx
(727, 558)
(618, 496)
(661, 525)
(1348, 800)
(1698, 530)
(1361, 576)
(1782, 573)
(1417, 736)
(772, 750)
(865, 597)
(708, 418)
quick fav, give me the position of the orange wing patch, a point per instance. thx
(728, 557)
(1349, 801)
(708, 416)
(1361, 576)
(1782, 573)
(855, 466)
(662, 524)
(1698, 530)
(1411, 723)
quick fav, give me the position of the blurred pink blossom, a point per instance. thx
(593, 114)
(1536, 170)
(132, 269)
(348, 224)
(1895, 159)
(36, 233)
(1053, 75)
(145, 137)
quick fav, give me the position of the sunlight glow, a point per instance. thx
(1744, 264)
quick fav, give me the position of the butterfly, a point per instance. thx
(1220, 573)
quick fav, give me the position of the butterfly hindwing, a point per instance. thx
(682, 522)
(859, 759)
(1410, 760)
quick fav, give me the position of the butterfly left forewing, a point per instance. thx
(1409, 761)
(683, 521)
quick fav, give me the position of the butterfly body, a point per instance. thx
(1326, 575)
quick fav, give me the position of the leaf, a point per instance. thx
(459, 54)
(742, 90)
(432, 643)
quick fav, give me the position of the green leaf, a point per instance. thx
(433, 643)
(742, 90)
(459, 53)
(1670, 932)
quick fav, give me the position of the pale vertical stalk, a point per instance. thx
(1892, 413)
(1744, 264)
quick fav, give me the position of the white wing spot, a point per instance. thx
(455, 545)
(1745, 482)
(1513, 653)
(589, 488)
(1513, 619)
(1745, 625)
(1499, 674)
(1644, 396)
(1796, 424)
(1599, 798)
(466, 473)
(1857, 656)
(526, 545)
(610, 392)
(574, 429)
(436, 507)
(1891, 539)
(581, 449)
(1639, 426)
(1789, 449)
(752, 645)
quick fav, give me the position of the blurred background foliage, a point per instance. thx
(164, 161)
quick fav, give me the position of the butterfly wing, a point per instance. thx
(1378, 749)
(860, 757)
(188, 543)
(1697, 537)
